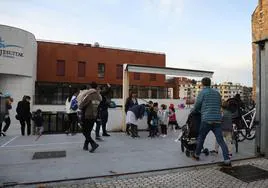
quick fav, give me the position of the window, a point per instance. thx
(60, 68)
(119, 72)
(137, 76)
(101, 70)
(81, 69)
(152, 77)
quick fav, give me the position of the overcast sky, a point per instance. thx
(210, 35)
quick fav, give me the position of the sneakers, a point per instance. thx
(99, 138)
(105, 134)
(214, 151)
(85, 148)
(94, 147)
(196, 158)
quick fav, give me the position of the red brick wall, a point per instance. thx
(49, 53)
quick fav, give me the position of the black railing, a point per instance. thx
(56, 122)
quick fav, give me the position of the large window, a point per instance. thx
(101, 70)
(119, 72)
(137, 76)
(60, 68)
(81, 69)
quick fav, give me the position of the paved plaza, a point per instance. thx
(194, 177)
(117, 154)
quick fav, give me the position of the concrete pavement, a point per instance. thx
(117, 154)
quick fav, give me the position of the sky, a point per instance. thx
(213, 35)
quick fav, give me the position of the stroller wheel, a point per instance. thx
(182, 148)
(187, 152)
(206, 151)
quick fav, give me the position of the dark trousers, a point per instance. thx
(153, 131)
(134, 130)
(7, 124)
(102, 123)
(72, 123)
(163, 129)
(87, 128)
(22, 123)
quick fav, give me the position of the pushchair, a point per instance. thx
(189, 134)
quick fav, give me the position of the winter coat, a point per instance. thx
(138, 110)
(38, 120)
(130, 102)
(23, 110)
(208, 102)
(90, 103)
(163, 117)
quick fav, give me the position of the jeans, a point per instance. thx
(216, 129)
(102, 122)
(87, 128)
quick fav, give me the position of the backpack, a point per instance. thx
(74, 104)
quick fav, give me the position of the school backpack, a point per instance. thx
(74, 104)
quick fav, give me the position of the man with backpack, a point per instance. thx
(89, 109)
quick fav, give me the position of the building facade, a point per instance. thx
(62, 67)
(18, 56)
(259, 24)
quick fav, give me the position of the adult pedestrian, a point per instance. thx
(71, 107)
(2, 107)
(135, 113)
(130, 102)
(6, 120)
(103, 111)
(24, 114)
(89, 108)
(209, 104)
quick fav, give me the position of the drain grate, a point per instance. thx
(49, 154)
(246, 173)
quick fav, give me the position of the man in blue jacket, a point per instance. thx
(209, 104)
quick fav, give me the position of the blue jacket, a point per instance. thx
(208, 102)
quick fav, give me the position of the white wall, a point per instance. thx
(115, 114)
(17, 73)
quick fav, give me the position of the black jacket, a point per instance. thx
(23, 110)
(130, 103)
(106, 99)
(38, 120)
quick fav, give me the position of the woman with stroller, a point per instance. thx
(134, 113)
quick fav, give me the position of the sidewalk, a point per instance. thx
(208, 176)
(117, 154)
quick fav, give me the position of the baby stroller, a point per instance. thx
(189, 134)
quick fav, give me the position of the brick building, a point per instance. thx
(62, 67)
(259, 31)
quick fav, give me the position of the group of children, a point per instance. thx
(161, 118)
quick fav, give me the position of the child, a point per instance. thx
(227, 128)
(38, 122)
(172, 118)
(163, 119)
(154, 121)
